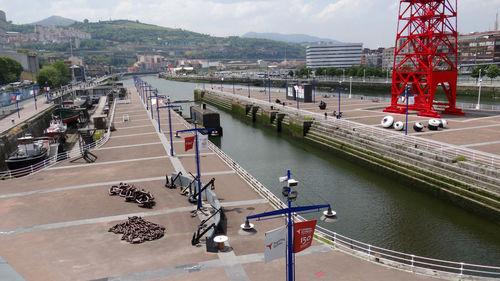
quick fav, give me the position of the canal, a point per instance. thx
(372, 207)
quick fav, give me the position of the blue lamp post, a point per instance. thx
(169, 121)
(269, 88)
(314, 90)
(406, 125)
(287, 212)
(34, 95)
(248, 79)
(340, 87)
(198, 175)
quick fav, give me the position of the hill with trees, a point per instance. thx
(124, 38)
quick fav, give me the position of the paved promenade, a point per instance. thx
(28, 110)
(55, 223)
(478, 130)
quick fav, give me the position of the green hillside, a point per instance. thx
(189, 44)
(116, 42)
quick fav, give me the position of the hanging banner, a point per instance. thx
(202, 142)
(188, 143)
(13, 97)
(275, 244)
(32, 92)
(35, 92)
(153, 101)
(160, 101)
(303, 235)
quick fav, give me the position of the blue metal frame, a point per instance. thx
(169, 122)
(196, 130)
(290, 258)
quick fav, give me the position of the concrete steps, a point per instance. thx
(461, 185)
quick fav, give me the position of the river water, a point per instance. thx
(372, 207)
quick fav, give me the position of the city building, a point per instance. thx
(334, 55)
(372, 57)
(3, 29)
(388, 58)
(478, 48)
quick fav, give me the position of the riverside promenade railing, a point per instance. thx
(399, 260)
(50, 161)
(395, 259)
(383, 135)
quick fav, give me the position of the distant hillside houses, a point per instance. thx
(46, 34)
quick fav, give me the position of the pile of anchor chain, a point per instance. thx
(136, 230)
(133, 194)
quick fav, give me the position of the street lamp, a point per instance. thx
(350, 86)
(289, 214)
(478, 106)
(340, 87)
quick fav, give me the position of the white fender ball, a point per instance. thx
(443, 123)
(433, 124)
(418, 126)
(399, 126)
(387, 121)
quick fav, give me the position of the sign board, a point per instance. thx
(188, 143)
(303, 235)
(202, 142)
(275, 244)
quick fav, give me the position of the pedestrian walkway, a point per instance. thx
(29, 109)
(55, 223)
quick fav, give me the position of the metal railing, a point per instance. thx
(77, 151)
(381, 134)
(395, 259)
(372, 253)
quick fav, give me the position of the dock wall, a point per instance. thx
(470, 185)
(34, 125)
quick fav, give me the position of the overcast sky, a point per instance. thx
(371, 22)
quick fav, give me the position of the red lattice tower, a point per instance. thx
(425, 56)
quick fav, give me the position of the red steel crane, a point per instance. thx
(425, 57)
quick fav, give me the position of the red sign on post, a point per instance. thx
(188, 143)
(303, 236)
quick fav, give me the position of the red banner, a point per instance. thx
(303, 235)
(14, 97)
(188, 143)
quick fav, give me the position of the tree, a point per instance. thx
(493, 71)
(475, 71)
(290, 73)
(10, 70)
(50, 76)
(63, 70)
(320, 71)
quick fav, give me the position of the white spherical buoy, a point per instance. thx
(418, 126)
(433, 124)
(387, 121)
(399, 126)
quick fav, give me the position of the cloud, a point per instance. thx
(368, 21)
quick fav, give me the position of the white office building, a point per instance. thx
(334, 55)
(3, 28)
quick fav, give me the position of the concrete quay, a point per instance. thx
(55, 223)
(460, 163)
